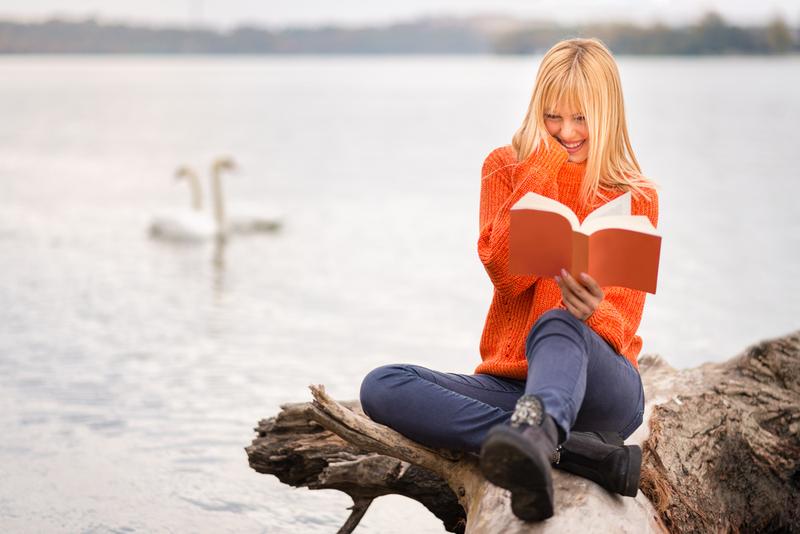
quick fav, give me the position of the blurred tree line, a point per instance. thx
(58, 36)
(710, 35)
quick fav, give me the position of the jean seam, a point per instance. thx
(436, 380)
(481, 388)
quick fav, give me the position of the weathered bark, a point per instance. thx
(721, 453)
(297, 448)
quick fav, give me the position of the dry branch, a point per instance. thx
(721, 450)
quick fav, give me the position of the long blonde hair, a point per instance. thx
(583, 73)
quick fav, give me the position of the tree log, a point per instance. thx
(721, 452)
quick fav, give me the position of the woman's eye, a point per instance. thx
(551, 117)
(580, 118)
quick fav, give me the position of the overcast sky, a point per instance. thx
(281, 13)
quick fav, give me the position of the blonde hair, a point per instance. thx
(582, 73)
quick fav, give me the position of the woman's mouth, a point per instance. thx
(572, 147)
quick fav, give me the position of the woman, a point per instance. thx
(559, 355)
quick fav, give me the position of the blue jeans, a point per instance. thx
(583, 383)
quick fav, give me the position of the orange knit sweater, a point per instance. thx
(519, 301)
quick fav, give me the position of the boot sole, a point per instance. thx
(506, 462)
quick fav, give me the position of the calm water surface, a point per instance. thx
(132, 371)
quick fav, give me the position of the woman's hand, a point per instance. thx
(551, 144)
(581, 299)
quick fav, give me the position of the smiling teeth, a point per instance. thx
(573, 145)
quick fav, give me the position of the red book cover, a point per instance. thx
(613, 246)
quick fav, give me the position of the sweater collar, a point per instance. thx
(571, 173)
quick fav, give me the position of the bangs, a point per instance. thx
(570, 88)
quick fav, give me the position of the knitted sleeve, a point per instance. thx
(617, 317)
(498, 193)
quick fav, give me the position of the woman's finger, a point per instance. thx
(575, 301)
(563, 286)
(571, 309)
(578, 304)
(575, 286)
(577, 312)
(593, 287)
(566, 289)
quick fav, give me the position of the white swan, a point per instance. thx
(241, 219)
(186, 225)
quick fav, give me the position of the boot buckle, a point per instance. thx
(556, 456)
(528, 411)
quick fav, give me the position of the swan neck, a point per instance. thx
(197, 193)
(219, 204)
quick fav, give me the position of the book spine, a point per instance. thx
(580, 255)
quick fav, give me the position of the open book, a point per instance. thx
(611, 245)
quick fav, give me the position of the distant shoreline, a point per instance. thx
(709, 36)
(354, 55)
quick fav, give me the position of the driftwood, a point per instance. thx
(721, 452)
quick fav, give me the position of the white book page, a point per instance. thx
(637, 223)
(618, 206)
(535, 201)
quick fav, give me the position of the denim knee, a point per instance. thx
(556, 314)
(374, 394)
(633, 425)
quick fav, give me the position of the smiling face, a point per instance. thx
(568, 126)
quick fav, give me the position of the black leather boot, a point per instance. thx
(516, 456)
(602, 458)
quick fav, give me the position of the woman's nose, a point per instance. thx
(567, 130)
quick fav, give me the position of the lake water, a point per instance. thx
(132, 371)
